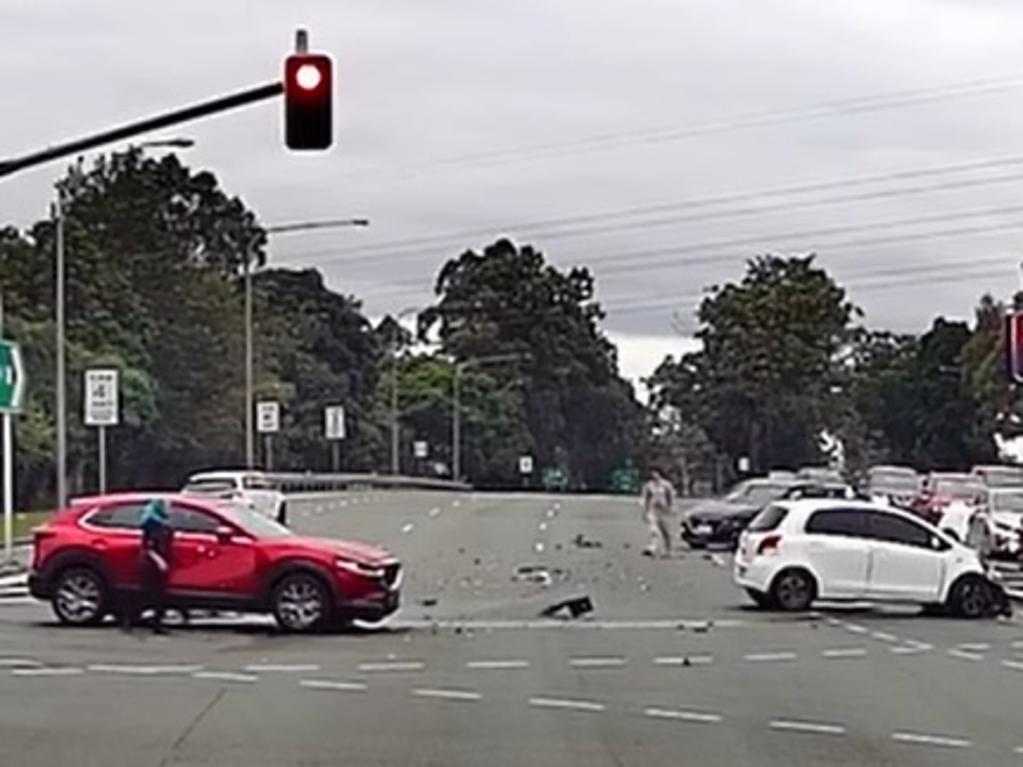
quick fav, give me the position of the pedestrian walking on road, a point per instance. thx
(658, 502)
(157, 535)
(980, 536)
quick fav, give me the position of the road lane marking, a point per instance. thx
(407, 527)
(884, 636)
(1015, 665)
(682, 716)
(932, 740)
(562, 625)
(795, 725)
(769, 657)
(551, 513)
(284, 667)
(717, 560)
(19, 663)
(596, 662)
(845, 652)
(855, 628)
(226, 676)
(329, 684)
(446, 694)
(435, 511)
(974, 646)
(567, 703)
(684, 660)
(906, 650)
(118, 668)
(542, 526)
(832, 621)
(48, 671)
(411, 665)
(964, 655)
(497, 664)
(1018, 644)
(538, 547)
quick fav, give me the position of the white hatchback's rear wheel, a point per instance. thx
(79, 597)
(300, 603)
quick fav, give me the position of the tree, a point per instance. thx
(582, 417)
(762, 386)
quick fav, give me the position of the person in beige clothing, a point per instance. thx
(658, 502)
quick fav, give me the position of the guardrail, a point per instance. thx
(298, 482)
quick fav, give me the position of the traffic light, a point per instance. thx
(308, 96)
(1014, 345)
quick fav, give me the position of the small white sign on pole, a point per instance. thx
(420, 448)
(525, 464)
(101, 397)
(268, 417)
(334, 422)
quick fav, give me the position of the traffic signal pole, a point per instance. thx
(175, 117)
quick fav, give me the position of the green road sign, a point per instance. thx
(12, 376)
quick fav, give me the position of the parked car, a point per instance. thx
(223, 556)
(942, 488)
(894, 485)
(1005, 519)
(819, 474)
(1000, 475)
(722, 521)
(797, 552)
(251, 488)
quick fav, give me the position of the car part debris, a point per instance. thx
(428, 601)
(582, 542)
(574, 606)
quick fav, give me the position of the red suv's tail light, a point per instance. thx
(40, 534)
(769, 545)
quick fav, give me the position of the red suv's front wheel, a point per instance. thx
(300, 602)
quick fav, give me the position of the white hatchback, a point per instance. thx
(796, 552)
(250, 488)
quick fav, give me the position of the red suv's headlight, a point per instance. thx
(359, 568)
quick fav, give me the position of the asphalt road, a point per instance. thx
(671, 668)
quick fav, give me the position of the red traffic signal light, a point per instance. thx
(308, 97)
(1014, 345)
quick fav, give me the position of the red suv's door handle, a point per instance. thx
(98, 543)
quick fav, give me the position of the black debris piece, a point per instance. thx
(428, 601)
(573, 606)
(582, 542)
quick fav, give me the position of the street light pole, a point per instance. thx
(61, 405)
(395, 434)
(250, 457)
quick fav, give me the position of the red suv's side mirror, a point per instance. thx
(224, 534)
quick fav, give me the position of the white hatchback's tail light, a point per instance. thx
(768, 545)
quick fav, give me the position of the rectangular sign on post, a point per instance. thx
(420, 448)
(101, 397)
(525, 464)
(334, 422)
(12, 376)
(268, 417)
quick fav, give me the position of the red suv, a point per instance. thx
(223, 556)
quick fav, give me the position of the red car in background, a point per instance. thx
(223, 556)
(941, 488)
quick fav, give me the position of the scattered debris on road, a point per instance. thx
(582, 542)
(574, 606)
(428, 601)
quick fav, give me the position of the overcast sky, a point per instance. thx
(459, 121)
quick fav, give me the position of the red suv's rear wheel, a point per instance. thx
(79, 596)
(300, 602)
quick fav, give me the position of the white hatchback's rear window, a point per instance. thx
(768, 519)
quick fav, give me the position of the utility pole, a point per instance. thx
(395, 431)
(8, 468)
(250, 457)
(61, 407)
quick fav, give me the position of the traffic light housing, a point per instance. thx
(308, 97)
(1014, 345)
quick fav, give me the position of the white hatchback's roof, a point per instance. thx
(807, 506)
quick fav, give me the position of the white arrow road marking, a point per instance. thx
(932, 740)
(445, 694)
(497, 664)
(566, 703)
(329, 684)
(845, 652)
(818, 728)
(682, 716)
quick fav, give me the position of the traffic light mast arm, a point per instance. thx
(178, 116)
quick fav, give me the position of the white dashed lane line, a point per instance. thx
(844, 652)
(817, 728)
(963, 655)
(684, 660)
(411, 665)
(770, 657)
(1018, 644)
(497, 665)
(906, 649)
(434, 511)
(257, 668)
(134, 670)
(1015, 665)
(226, 676)
(567, 703)
(407, 527)
(446, 694)
(682, 716)
(856, 628)
(597, 662)
(930, 740)
(884, 636)
(542, 527)
(19, 663)
(329, 684)
(47, 671)
(974, 646)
